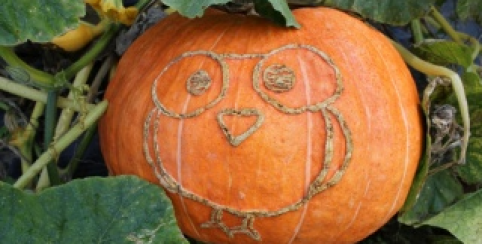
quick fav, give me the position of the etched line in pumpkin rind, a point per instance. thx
(166, 180)
(198, 111)
(246, 227)
(238, 56)
(249, 216)
(216, 222)
(297, 110)
(236, 140)
(147, 153)
(169, 182)
(328, 157)
(315, 189)
(348, 138)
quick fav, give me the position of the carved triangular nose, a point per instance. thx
(246, 112)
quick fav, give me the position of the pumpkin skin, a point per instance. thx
(263, 134)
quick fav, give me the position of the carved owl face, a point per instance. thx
(217, 117)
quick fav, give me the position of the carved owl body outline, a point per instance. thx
(279, 80)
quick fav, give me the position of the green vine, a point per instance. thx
(457, 85)
(416, 31)
(445, 25)
(24, 91)
(50, 121)
(63, 142)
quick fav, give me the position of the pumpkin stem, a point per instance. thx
(457, 85)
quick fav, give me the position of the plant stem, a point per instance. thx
(39, 77)
(80, 150)
(457, 85)
(64, 122)
(50, 119)
(36, 95)
(445, 25)
(92, 53)
(99, 76)
(61, 144)
(25, 144)
(65, 118)
(416, 31)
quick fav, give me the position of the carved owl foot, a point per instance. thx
(246, 226)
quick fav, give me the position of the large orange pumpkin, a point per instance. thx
(263, 134)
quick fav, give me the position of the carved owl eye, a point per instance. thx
(198, 83)
(184, 90)
(278, 77)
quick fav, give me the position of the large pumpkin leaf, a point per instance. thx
(419, 180)
(37, 20)
(96, 210)
(395, 233)
(192, 8)
(276, 10)
(463, 219)
(471, 172)
(430, 94)
(469, 9)
(395, 12)
(439, 191)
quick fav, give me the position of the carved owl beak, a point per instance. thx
(245, 112)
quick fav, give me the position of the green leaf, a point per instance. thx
(472, 82)
(38, 20)
(469, 9)
(419, 180)
(443, 52)
(471, 172)
(395, 233)
(4, 106)
(192, 8)
(418, 183)
(445, 240)
(123, 209)
(394, 12)
(439, 191)
(463, 219)
(277, 11)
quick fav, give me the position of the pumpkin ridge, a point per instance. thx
(309, 147)
(407, 132)
(179, 164)
(362, 99)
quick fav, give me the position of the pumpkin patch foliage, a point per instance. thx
(241, 121)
